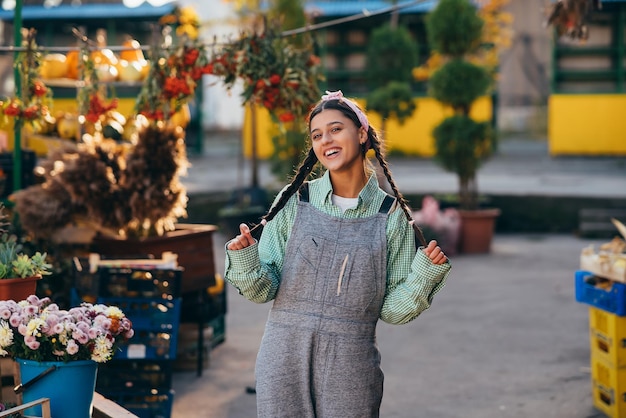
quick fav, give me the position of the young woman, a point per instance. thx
(336, 254)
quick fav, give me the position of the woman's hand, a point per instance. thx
(242, 240)
(434, 253)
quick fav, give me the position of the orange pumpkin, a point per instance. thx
(104, 56)
(71, 59)
(132, 51)
(53, 66)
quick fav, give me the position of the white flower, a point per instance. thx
(114, 312)
(33, 327)
(102, 350)
(6, 335)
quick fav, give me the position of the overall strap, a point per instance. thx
(303, 192)
(387, 204)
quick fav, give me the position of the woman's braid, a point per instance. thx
(301, 175)
(376, 146)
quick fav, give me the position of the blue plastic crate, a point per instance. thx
(150, 345)
(135, 375)
(611, 299)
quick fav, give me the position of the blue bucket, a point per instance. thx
(70, 386)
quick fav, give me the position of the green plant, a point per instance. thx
(461, 144)
(391, 55)
(13, 262)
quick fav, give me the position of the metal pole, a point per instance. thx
(17, 128)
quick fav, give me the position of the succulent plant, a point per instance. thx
(13, 262)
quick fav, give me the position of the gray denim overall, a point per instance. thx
(318, 356)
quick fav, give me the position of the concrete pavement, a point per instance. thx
(521, 166)
(504, 338)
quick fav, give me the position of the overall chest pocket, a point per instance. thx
(300, 273)
(343, 275)
(354, 279)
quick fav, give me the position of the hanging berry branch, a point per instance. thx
(276, 75)
(177, 66)
(91, 96)
(35, 99)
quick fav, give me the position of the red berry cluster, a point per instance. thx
(97, 108)
(16, 109)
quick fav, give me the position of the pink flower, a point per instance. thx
(83, 326)
(5, 313)
(15, 320)
(80, 336)
(93, 333)
(33, 300)
(72, 347)
(31, 342)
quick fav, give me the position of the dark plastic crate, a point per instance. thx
(148, 314)
(611, 299)
(145, 375)
(139, 283)
(117, 282)
(144, 404)
(150, 345)
(7, 163)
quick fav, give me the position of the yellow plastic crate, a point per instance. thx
(607, 337)
(609, 388)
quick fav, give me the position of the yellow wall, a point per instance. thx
(413, 138)
(587, 124)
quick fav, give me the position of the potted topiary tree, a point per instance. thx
(462, 144)
(391, 55)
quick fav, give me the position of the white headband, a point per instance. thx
(338, 95)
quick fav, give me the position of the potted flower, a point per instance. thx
(19, 271)
(462, 144)
(58, 351)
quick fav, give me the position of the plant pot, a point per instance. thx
(70, 386)
(192, 242)
(477, 228)
(19, 288)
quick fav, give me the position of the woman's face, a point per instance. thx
(337, 141)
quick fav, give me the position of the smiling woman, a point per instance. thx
(336, 254)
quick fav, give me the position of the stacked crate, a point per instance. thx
(607, 336)
(139, 377)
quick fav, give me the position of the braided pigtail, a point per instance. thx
(375, 144)
(306, 167)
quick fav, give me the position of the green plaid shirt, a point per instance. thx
(412, 279)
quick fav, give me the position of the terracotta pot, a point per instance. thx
(192, 242)
(477, 228)
(19, 288)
